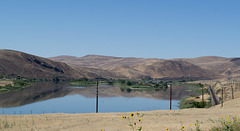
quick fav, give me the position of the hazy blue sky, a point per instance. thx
(125, 28)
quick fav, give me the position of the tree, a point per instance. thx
(56, 79)
(129, 83)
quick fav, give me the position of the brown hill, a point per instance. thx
(14, 63)
(226, 67)
(103, 62)
(140, 67)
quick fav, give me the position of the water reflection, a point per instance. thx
(40, 91)
(43, 91)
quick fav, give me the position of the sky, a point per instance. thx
(124, 28)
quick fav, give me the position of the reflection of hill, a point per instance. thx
(40, 92)
(46, 90)
(179, 93)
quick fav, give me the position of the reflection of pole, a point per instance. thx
(222, 96)
(170, 96)
(97, 99)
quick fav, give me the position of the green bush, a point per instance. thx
(20, 83)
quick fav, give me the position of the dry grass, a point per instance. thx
(5, 82)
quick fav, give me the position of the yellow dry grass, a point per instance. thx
(5, 82)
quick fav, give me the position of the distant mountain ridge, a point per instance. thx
(15, 63)
(137, 68)
(226, 67)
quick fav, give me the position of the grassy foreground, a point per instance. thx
(175, 120)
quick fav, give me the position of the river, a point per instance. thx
(48, 97)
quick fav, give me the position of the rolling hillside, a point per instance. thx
(15, 63)
(137, 68)
(226, 67)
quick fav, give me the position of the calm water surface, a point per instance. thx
(47, 97)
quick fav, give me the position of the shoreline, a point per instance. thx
(151, 121)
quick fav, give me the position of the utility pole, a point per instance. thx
(202, 96)
(170, 96)
(232, 92)
(97, 99)
(222, 96)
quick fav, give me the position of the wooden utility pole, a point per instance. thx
(232, 92)
(170, 96)
(97, 99)
(222, 97)
(202, 97)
